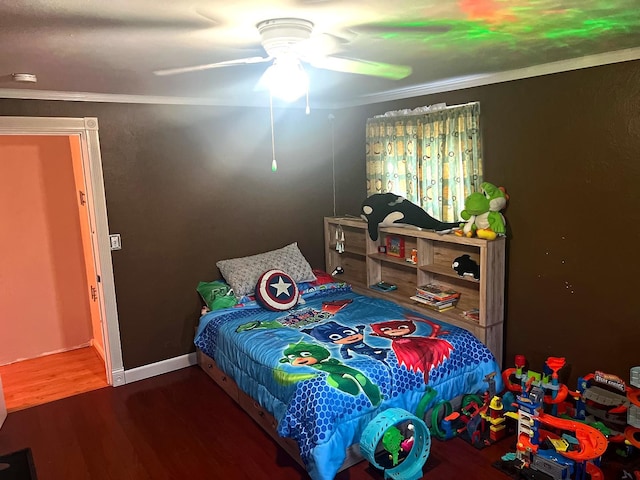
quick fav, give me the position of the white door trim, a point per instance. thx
(87, 129)
(3, 405)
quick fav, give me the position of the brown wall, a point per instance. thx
(567, 148)
(187, 186)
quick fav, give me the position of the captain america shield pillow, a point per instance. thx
(276, 291)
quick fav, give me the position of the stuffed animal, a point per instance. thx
(465, 265)
(482, 213)
(389, 209)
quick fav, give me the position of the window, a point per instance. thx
(432, 156)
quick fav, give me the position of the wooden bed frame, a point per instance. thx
(260, 415)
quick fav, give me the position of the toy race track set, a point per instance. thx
(564, 434)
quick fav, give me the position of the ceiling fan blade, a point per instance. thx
(362, 67)
(208, 66)
(406, 29)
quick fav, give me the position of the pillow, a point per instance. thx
(322, 277)
(242, 273)
(276, 291)
(216, 295)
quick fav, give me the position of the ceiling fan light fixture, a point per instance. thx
(286, 79)
(281, 35)
(24, 77)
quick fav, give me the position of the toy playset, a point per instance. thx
(560, 433)
(563, 434)
(479, 420)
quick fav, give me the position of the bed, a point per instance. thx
(316, 374)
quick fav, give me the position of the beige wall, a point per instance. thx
(43, 303)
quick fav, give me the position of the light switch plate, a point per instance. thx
(114, 240)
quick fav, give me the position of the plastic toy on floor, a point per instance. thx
(398, 443)
(555, 392)
(480, 420)
(607, 402)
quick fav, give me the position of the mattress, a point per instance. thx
(327, 367)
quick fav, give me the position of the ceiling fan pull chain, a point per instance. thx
(274, 165)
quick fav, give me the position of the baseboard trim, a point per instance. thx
(158, 368)
(117, 377)
(52, 352)
(99, 350)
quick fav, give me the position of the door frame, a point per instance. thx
(87, 129)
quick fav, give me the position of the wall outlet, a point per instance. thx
(114, 240)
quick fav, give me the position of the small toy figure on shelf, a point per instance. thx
(464, 265)
(413, 258)
(339, 239)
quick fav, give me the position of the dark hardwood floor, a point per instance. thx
(181, 425)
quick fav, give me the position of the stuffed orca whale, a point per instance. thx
(391, 209)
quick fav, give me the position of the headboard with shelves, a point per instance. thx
(364, 265)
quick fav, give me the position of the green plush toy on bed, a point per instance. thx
(482, 213)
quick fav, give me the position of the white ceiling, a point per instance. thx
(100, 49)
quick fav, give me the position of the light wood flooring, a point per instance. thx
(44, 379)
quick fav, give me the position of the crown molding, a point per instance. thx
(459, 83)
(32, 94)
(456, 83)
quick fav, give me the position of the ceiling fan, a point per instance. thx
(291, 40)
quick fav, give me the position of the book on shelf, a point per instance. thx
(395, 246)
(383, 287)
(438, 307)
(473, 314)
(437, 292)
(435, 303)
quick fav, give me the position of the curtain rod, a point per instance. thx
(436, 107)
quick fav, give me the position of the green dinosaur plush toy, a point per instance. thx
(482, 213)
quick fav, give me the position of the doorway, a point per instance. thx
(78, 137)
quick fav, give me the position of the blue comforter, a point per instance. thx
(326, 368)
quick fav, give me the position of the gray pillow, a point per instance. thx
(242, 273)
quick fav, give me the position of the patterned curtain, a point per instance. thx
(433, 159)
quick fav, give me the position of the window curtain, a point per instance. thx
(431, 157)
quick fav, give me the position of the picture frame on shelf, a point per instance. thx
(395, 246)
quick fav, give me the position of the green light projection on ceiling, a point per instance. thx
(520, 24)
